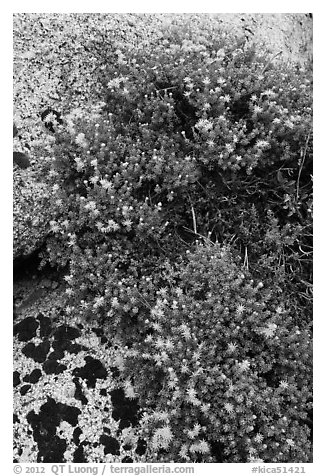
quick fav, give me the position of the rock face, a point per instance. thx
(291, 34)
(68, 405)
(30, 213)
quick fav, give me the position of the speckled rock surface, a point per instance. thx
(290, 34)
(30, 213)
(69, 404)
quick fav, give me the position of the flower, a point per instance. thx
(269, 93)
(269, 331)
(157, 326)
(184, 369)
(229, 407)
(112, 226)
(91, 205)
(129, 390)
(240, 309)
(289, 124)
(192, 395)
(169, 345)
(98, 302)
(262, 144)
(50, 117)
(290, 442)
(258, 438)
(157, 312)
(81, 140)
(257, 109)
(127, 223)
(172, 384)
(204, 125)
(232, 347)
(160, 415)
(114, 83)
(72, 239)
(159, 343)
(54, 226)
(79, 163)
(183, 451)
(205, 407)
(162, 437)
(185, 331)
(244, 365)
(99, 225)
(106, 184)
(163, 291)
(199, 447)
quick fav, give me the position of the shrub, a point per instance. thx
(190, 136)
(199, 134)
(223, 370)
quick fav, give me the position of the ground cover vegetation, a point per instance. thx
(176, 164)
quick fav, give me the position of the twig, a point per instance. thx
(302, 162)
(205, 238)
(194, 223)
(144, 301)
(266, 66)
(165, 89)
(246, 261)
(194, 219)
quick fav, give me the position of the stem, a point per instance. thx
(302, 162)
(273, 57)
(194, 219)
(246, 262)
(194, 223)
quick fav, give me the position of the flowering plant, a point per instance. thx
(171, 141)
(220, 370)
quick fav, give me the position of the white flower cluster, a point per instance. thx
(115, 82)
(269, 330)
(129, 390)
(204, 125)
(162, 438)
(81, 140)
(199, 447)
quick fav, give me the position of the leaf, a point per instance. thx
(280, 177)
